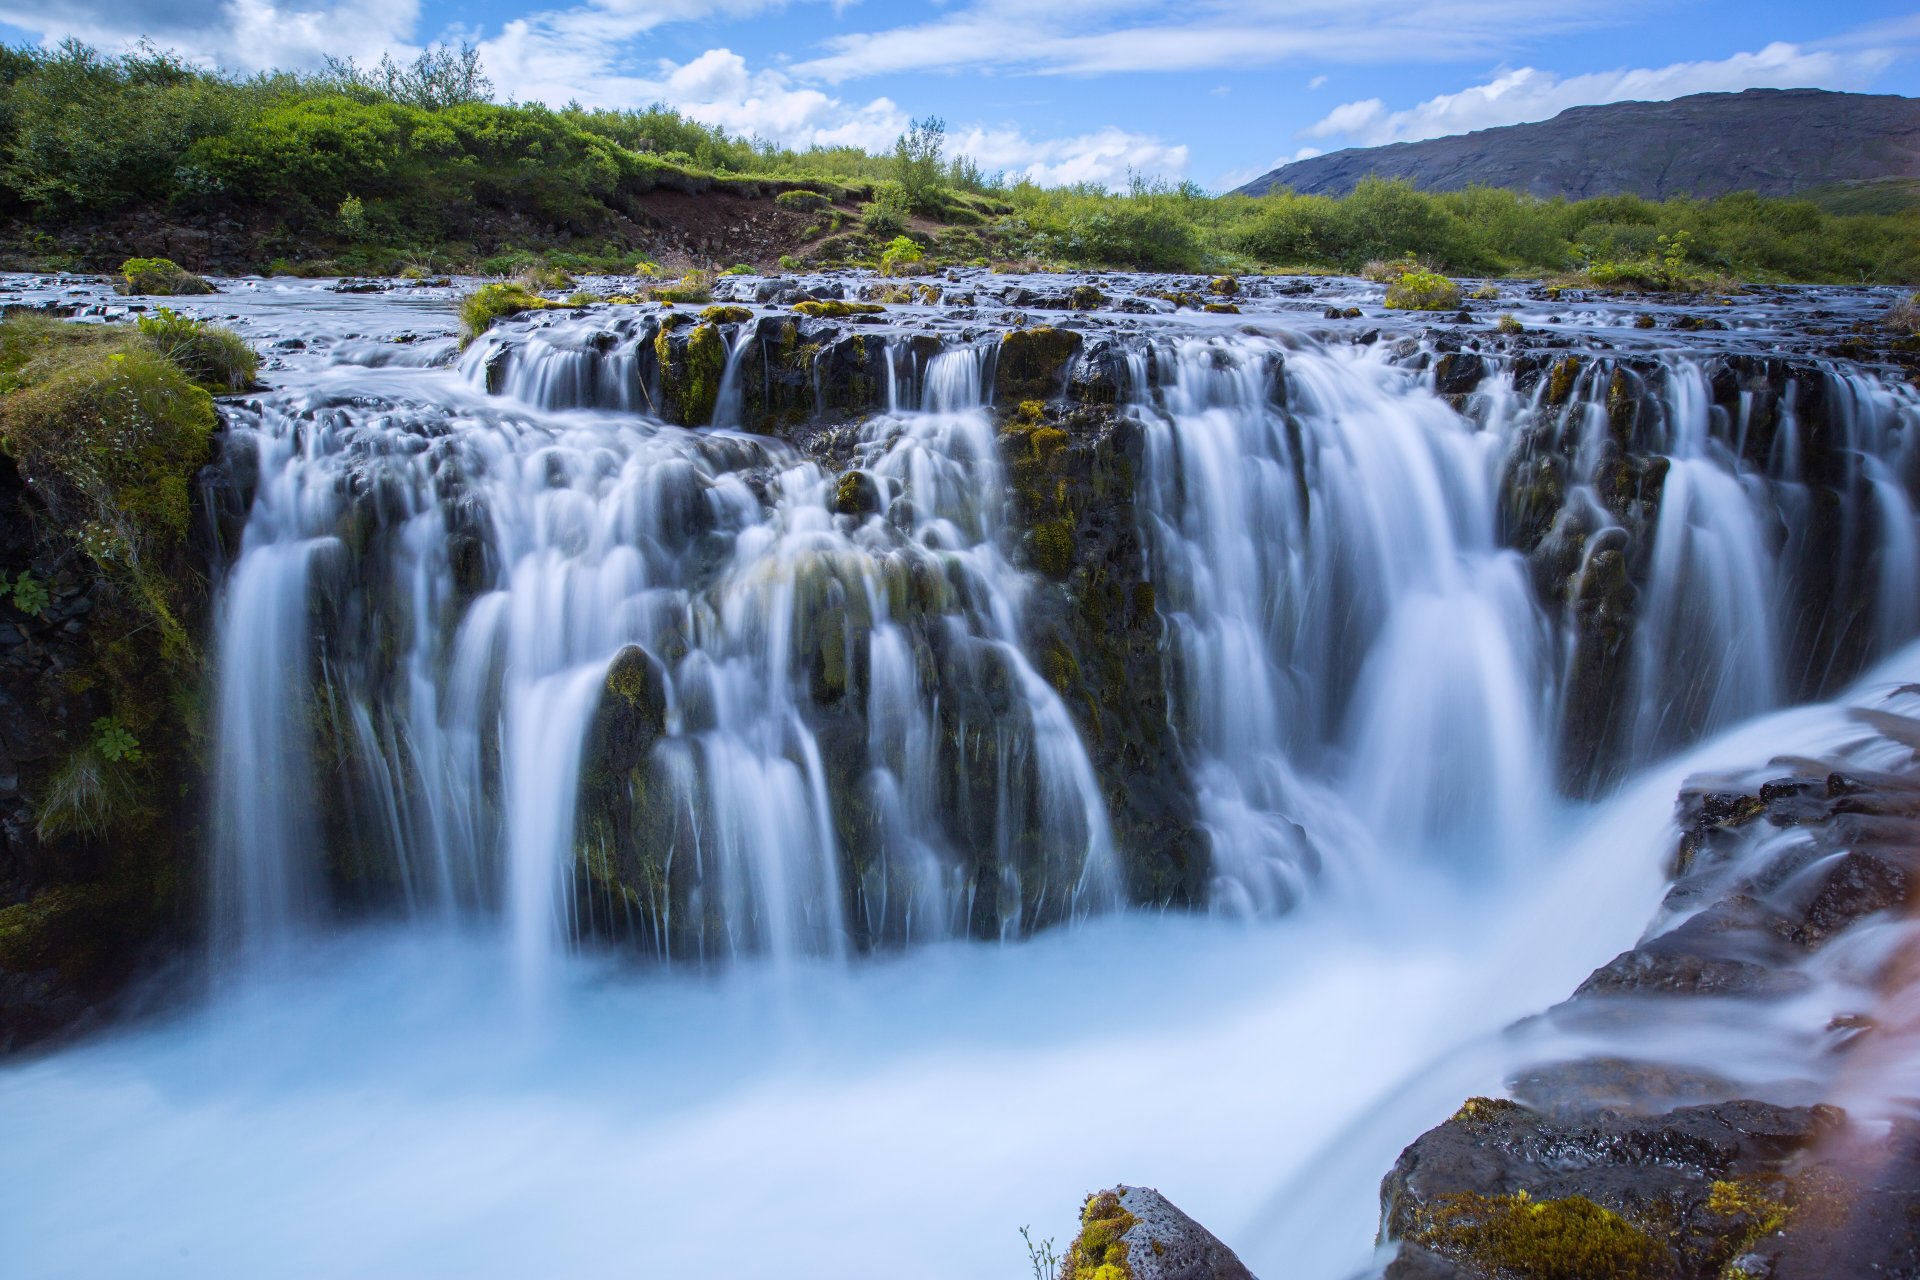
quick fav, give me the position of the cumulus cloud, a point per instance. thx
(1531, 94)
(248, 35)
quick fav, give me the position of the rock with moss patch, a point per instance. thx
(1033, 363)
(1135, 1233)
(158, 277)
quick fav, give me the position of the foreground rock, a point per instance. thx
(1629, 1166)
(1135, 1233)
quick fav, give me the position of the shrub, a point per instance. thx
(886, 214)
(215, 357)
(1423, 291)
(790, 263)
(901, 253)
(541, 277)
(694, 287)
(159, 277)
(738, 269)
(1904, 315)
(802, 201)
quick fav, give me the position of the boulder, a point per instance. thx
(1135, 1233)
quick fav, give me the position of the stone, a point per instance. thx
(1135, 1233)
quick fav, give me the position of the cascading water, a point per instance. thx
(506, 664)
(500, 575)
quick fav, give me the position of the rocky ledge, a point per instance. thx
(1788, 897)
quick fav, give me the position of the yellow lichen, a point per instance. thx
(1098, 1252)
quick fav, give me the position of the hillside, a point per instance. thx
(1776, 142)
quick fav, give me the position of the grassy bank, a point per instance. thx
(392, 168)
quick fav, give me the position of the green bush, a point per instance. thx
(886, 214)
(899, 255)
(1423, 291)
(159, 277)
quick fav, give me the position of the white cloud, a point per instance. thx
(1315, 83)
(1531, 94)
(1106, 156)
(1100, 36)
(249, 35)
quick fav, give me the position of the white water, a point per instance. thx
(384, 1108)
(1368, 689)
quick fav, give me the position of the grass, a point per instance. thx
(358, 175)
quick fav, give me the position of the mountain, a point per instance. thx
(1773, 141)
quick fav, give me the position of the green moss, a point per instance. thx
(1224, 287)
(1565, 372)
(1510, 324)
(834, 309)
(726, 315)
(159, 277)
(1423, 291)
(1098, 1252)
(1053, 547)
(1221, 308)
(489, 303)
(1514, 1235)
(1033, 362)
(690, 375)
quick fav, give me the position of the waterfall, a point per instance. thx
(585, 673)
(589, 675)
(1365, 667)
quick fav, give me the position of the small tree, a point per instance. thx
(442, 76)
(918, 165)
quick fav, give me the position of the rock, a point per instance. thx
(1032, 363)
(1503, 1190)
(855, 494)
(1135, 1233)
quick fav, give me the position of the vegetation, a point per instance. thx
(159, 276)
(1098, 1252)
(211, 355)
(354, 169)
(491, 302)
(1423, 291)
(1570, 1239)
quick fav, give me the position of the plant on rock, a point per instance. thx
(158, 277)
(899, 255)
(1423, 291)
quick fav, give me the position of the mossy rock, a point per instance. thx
(834, 309)
(1221, 309)
(159, 278)
(1224, 287)
(491, 303)
(690, 371)
(1085, 297)
(856, 494)
(726, 315)
(1032, 363)
(1567, 1239)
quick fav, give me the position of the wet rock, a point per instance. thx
(1032, 363)
(1503, 1190)
(1135, 1233)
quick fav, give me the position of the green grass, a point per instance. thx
(359, 176)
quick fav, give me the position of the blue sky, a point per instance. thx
(1065, 90)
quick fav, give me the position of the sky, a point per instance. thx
(1213, 91)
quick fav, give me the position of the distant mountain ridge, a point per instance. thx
(1775, 142)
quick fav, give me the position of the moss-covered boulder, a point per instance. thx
(102, 434)
(1135, 1233)
(691, 365)
(1032, 363)
(158, 278)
